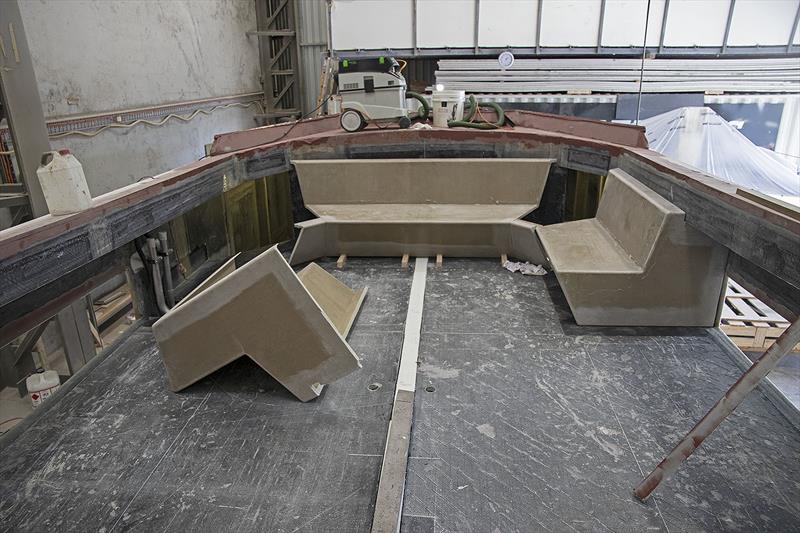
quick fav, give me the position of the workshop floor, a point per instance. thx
(523, 421)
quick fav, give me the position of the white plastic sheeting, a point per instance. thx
(697, 136)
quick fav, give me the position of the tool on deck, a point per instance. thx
(374, 91)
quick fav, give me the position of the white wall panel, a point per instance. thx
(382, 24)
(570, 22)
(696, 22)
(96, 57)
(442, 23)
(371, 24)
(762, 22)
(623, 24)
(508, 23)
(93, 57)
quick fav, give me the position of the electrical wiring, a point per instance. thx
(296, 122)
(161, 122)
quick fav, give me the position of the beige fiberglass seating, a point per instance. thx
(292, 326)
(637, 263)
(420, 207)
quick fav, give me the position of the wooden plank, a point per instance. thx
(104, 313)
(736, 288)
(110, 297)
(389, 501)
(242, 217)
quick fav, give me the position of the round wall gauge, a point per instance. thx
(506, 59)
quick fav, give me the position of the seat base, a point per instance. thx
(323, 237)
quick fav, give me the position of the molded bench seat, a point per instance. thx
(392, 207)
(636, 263)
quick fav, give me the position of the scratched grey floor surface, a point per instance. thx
(233, 453)
(535, 424)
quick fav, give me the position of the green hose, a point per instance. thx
(501, 117)
(471, 108)
(423, 111)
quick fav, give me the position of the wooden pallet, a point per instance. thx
(113, 305)
(748, 322)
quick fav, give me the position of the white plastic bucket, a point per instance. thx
(447, 105)
(42, 385)
(63, 183)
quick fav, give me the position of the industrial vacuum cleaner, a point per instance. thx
(373, 91)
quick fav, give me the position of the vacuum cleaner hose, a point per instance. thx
(473, 108)
(425, 110)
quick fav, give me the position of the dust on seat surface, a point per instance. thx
(585, 246)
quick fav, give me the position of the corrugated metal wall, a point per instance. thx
(313, 28)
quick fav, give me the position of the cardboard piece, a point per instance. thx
(339, 302)
(261, 310)
(637, 263)
(419, 207)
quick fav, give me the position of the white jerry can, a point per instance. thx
(63, 183)
(42, 385)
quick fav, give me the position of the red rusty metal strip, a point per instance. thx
(622, 134)
(240, 140)
(717, 414)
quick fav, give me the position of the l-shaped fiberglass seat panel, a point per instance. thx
(264, 311)
(637, 263)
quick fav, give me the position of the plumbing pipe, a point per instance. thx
(164, 253)
(157, 287)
